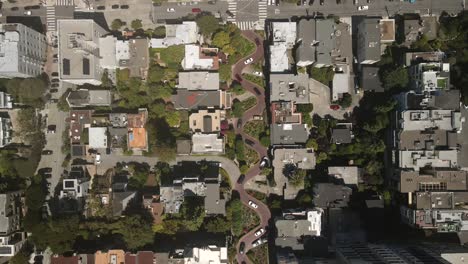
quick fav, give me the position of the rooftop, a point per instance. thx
(349, 175)
(370, 80)
(417, 159)
(206, 121)
(279, 57)
(285, 113)
(368, 40)
(185, 99)
(289, 134)
(83, 98)
(207, 143)
(342, 135)
(331, 195)
(317, 40)
(387, 30)
(98, 137)
(284, 32)
(289, 87)
(430, 119)
(198, 58)
(213, 202)
(177, 34)
(435, 180)
(199, 80)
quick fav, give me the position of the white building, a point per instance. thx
(207, 255)
(5, 131)
(74, 188)
(177, 34)
(284, 37)
(195, 60)
(98, 137)
(433, 76)
(207, 143)
(22, 51)
(5, 101)
(11, 237)
(78, 56)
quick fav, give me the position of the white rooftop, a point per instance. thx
(416, 159)
(177, 34)
(107, 46)
(97, 137)
(315, 219)
(424, 119)
(284, 32)
(193, 61)
(9, 51)
(207, 143)
(279, 61)
(199, 80)
(207, 255)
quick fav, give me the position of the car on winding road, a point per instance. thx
(241, 178)
(241, 247)
(170, 10)
(253, 205)
(248, 61)
(259, 232)
(258, 242)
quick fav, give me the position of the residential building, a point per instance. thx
(5, 131)
(420, 120)
(290, 88)
(429, 77)
(202, 255)
(11, 210)
(329, 195)
(121, 200)
(192, 100)
(368, 39)
(141, 257)
(285, 113)
(199, 58)
(154, 206)
(78, 55)
(316, 38)
(347, 175)
(446, 99)
(196, 80)
(22, 51)
(289, 134)
(137, 134)
(206, 121)
(184, 147)
(443, 179)
(75, 188)
(415, 27)
(111, 256)
(290, 160)
(98, 137)
(84, 98)
(207, 143)
(6, 101)
(283, 37)
(370, 79)
(79, 121)
(387, 30)
(413, 58)
(342, 83)
(293, 229)
(138, 63)
(177, 34)
(342, 133)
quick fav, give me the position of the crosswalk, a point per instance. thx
(232, 7)
(64, 2)
(245, 25)
(262, 10)
(50, 18)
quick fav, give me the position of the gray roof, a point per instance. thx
(10, 210)
(185, 99)
(120, 201)
(421, 140)
(290, 87)
(348, 174)
(139, 57)
(326, 40)
(462, 136)
(331, 195)
(434, 200)
(213, 202)
(184, 146)
(306, 34)
(82, 98)
(172, 197)
(368, 39)
(453, 180)
(342, 135)
(289, 134)
(199, 80)
(317, 40)
(370, 80)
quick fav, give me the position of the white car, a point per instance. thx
(258, 73)
(259, 232)
(98, 158)
(27, 13)
(363, 7)
(171, 10)
(248, 61)
(253, 205)
(258, 242)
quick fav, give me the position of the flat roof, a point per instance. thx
(196, 80)
(207, 143)
(279, 58)
(98, 137)
(290, 87)
(137, 138)
(289, 134)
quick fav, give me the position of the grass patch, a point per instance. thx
(258, 195)
(323, 75)
(239, 107)
(442, 83)
(251, 156)
(255, 128)
(258, 80)
(172, 56)
(259, 254)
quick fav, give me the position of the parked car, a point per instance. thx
(229, 13)
(53, 101)
(47, 152)
(239, 123)
(334, 107)
(51, 129)
(259, 232)
(54, 74)
(196, 10)
(241, 248)
(55, 80)
(253, 205)
(238, 78)
(36, 7)
(27, 7)
(53, 90)
(15, 8)
(258, 242)
(257, 91)
(248, 61)
(249, 142)
(27, 13)
(43, 171)
(124, 7)
(101, 8)
(362, 8)
(241, 179)
(258, 73)
(265, 162)
(54, 85)
(170, 10)
(55, 56)
(257, 41)
(257, 117)
(98, 158)
(115, 6)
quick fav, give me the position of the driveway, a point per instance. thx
(262, 210)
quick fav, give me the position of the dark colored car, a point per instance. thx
(239, 123)
(53, 101)
(196, 10)
(115, 6)
(44, 170)
(249, 142)
(257, 91)
(47, 152)
(55, 74)
(36, 7)
(238, 78)
(14, 8)
(124, 7)
(101, 8)
(334, 107)
(257, 41)
(27, 7)
(54, 90)
(51, 128)
(229, 13)
(55, 80)
(241, 247)
(54, 85)
(55, 56)
(241, 179)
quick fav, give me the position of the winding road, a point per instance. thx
(263, 211)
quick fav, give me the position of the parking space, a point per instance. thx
(125, 10)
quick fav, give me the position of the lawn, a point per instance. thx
(255, 128)
(258, 80)
(251, 156)
(258, 195)
(259, 254)
(442, 83)
(172, 56)
(239, 107)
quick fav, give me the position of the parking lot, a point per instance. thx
(125, 10)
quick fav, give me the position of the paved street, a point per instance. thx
(160, 13)
(262, 210)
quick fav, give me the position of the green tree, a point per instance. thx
(324, 74)
(28, 91)
(234, 214)
(208, 24)
(239, 148)
(136, 24)
(155, 74)
(35, 194)
(397, 79)
(297, 177)
(106, 81)
(221, 39)
(380, 122)
(265, 140)
(312, 143)
(116, 24)
(160, 32)
(346, 100)
(135, 231)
